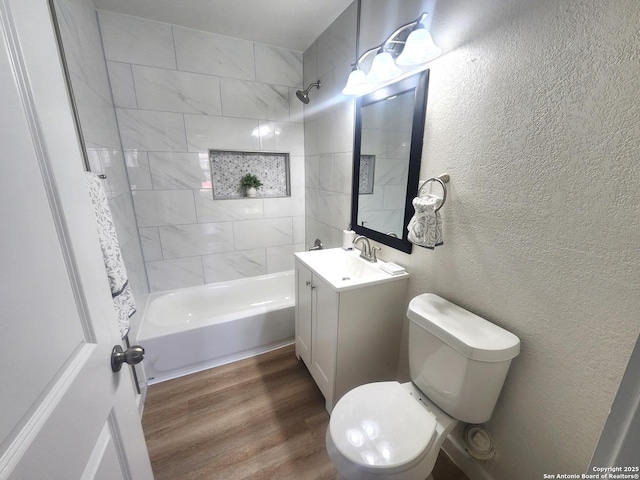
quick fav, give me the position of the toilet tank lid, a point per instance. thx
(471, 335)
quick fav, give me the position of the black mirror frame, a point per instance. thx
(419, 83)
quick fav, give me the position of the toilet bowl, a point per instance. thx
(457, 361)
(395, 435)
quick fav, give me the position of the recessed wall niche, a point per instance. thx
(367, 172)
(228, 167)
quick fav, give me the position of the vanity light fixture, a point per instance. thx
(383, 68)
(409, 45)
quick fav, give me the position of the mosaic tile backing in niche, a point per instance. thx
(367, 171)
(228, 167)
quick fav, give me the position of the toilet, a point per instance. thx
(458, 362)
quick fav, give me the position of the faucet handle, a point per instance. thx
(373, 252)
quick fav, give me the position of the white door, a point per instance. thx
(64, 415)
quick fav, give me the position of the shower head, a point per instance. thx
(303, 95)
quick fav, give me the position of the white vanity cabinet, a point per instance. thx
(347, 334)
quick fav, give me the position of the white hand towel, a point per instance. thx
(123, 300)
(425, 227)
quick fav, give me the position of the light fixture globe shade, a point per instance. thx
(383, 68)
(418, 49)
(356, 83)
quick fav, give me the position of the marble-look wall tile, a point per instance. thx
(311, 137)
(312, 171)
(83, 46)
(221, 133)
(399, 144)
(210, 210)
(391, 171)
(147, 130)
(124, 218)
(296, 170)
(394, 197)
(315, 229)
(196, 239)
(108, 161)
(150, 239)
(176, 273)
(278, 66)
(337, 43)
(374, 142)
(164, 207)
(326, 171)
(371, 202)
(334, 209)
(298, 230)
(328, 129)
(134, 40)
(342, 172)
(90, 81)
(231, 266)
(273, 232)
(292, 206)
(336, 130)
(244, 99)
(281, 259)
(137, 163)
(289, 137)
(204, 92)
(311, 201)
(203, 52)
(173, 91)
(122, 88)
(310, 64)
(179, 170)
(98, 122)
(296, 107)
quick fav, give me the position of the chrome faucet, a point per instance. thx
(367, 252)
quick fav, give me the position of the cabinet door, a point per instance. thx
(303, 313)
(324, 338)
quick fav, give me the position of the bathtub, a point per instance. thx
(191, 329)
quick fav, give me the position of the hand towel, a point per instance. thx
(425, 227)
(123, 300)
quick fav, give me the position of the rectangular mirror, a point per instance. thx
(389, 129)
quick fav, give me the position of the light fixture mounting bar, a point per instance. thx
(392, 38)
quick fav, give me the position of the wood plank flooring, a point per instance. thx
(259, 418)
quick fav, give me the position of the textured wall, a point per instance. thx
(85, 59)
(533, 112)
(179, 92)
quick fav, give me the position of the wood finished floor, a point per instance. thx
(260, 418)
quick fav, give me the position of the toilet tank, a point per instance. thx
(456, 358)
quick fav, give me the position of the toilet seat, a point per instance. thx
(382, 428)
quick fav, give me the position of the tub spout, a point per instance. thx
(317, 245)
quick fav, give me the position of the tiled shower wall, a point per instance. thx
(178, 93)
(329, 123)
(83, 50)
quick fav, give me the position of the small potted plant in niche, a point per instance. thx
(250, 182)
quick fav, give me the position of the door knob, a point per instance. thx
(131, 356)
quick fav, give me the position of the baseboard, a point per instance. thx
(474, 469)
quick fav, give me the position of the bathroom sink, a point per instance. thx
(344, 269)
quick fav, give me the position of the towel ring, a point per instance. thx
(442, 180)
